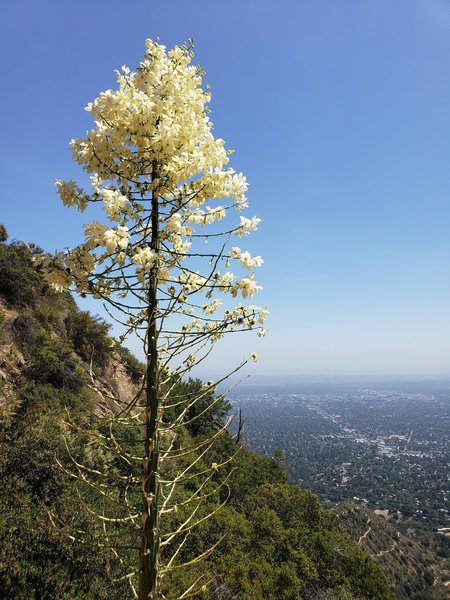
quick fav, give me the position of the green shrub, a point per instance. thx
(206, 414)
(43, 397)
(89, 337)
(49, 316)
(25, 329)
(3, 233)
(20, 283)
(133, 366)
(53, 361)
(37, 559)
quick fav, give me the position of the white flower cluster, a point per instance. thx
(246, 286)
(95, 233)
(206, 217)
(114, 238)
(247, 225)
(247, 316)
(153, 144)
(145, 257)
(245, 259)
(71, 194)
(191, 281)
(212, 307)
(114, 203)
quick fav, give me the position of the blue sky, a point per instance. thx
(339, 112)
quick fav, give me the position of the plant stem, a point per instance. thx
(150, 540)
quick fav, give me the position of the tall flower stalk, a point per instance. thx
(162, 179)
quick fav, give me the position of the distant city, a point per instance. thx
(382, 443)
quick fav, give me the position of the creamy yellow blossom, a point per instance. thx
(114, 238)
(152, 141)
(145, 257)
(247, 225)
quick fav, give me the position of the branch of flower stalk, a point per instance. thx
(172, 454)
(181, 478)
(194, 590)
(196, 496)
(186, 526)
(54, 518)
(83, 468)
(198, 558)
(134, 519)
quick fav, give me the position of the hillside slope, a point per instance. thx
(61, 377)
(415, 569)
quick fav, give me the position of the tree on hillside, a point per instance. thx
(3, 233)
(162, 179)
